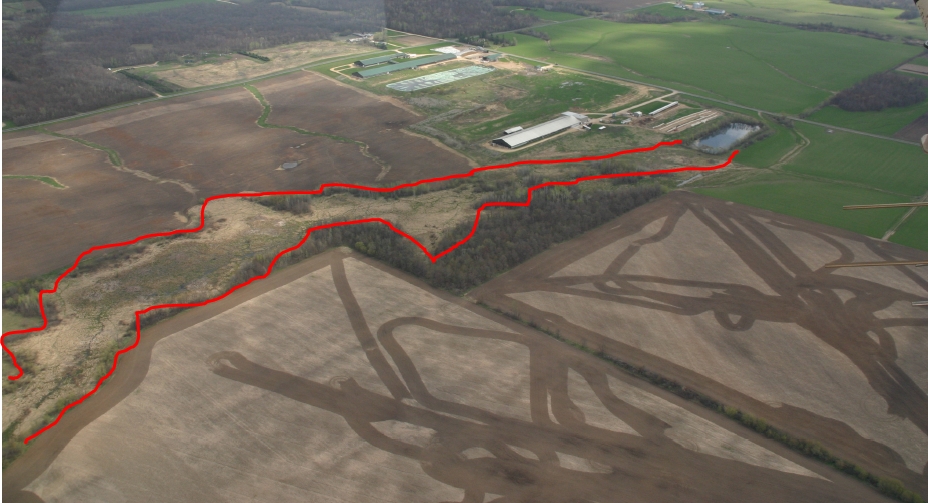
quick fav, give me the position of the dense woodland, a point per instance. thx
(505, 237)
(879, 91)
(55, 64)
(452, 18)
(569, 7)
(650, 18)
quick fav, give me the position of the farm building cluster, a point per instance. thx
(390, 63)
(699, 7)
(517, 137)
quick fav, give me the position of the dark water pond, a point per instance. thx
(726, 138)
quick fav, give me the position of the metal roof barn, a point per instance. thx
(412, 63)
(542, 130)
(378, 60)
(665, 107)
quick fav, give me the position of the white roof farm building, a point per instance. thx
(566, 120)
(665, 107)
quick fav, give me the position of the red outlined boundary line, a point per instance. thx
(309, 231)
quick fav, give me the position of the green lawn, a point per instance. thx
(815, 201)
(914, 231)
(882, 164)
(126, 10)
(823, 11)
(885, 122)
(762, 65)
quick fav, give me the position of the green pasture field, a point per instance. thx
(882, 164)
(885, 122)
(540, 97)
(823, 11)
(770, 150)
(766, 66)
(914, 231)
(144, 8)
(816, 201)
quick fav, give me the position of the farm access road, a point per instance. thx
(235, 83)
(677, 91)
(323, 61)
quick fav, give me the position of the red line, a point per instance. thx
(309, 231)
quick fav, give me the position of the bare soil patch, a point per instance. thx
(218, 148)
(338, 375)
(45, 228)
(314, 103)
(413, 40)
(736, 302)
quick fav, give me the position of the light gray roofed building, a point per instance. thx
(528, 135)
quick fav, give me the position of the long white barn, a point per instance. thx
(528, 135)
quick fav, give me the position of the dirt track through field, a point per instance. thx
(331, 381)
(736, 302)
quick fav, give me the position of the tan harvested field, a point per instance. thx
(242, 67)
(310, 101)
(413, 40)
(736, 303)
(46, 227)
(192, 147)
(340, 380)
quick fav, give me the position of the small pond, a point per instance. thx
(727, 138)
(289, 165)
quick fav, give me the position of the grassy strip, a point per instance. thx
(114, 157)
(809, 448)
(44, 179)
(153, 82)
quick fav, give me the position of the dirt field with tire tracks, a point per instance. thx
(338, 375)
(736, 303)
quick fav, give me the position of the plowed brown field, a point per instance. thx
(46, 227)
(178, 151)
(315, 103)
(736, 302)
(341, 380)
